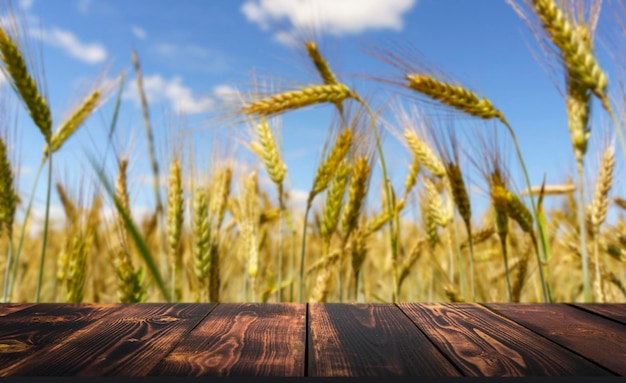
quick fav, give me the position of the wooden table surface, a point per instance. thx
(313, 339)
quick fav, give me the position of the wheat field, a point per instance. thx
(224, 232)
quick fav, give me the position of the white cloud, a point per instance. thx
(139, 32)
(92, 53)
(84, 5)
(26, 4)
(180, 97)
(224, 90)
(335, 17)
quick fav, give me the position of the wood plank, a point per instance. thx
(598, 339)
(242, 339)
(481, 343)
(617, 312)
(27, 331)
(370, 340)
(129, 342)
(10, 308)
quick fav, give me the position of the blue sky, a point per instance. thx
(190, 50)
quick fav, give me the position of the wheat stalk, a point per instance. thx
(121, 193)
(500, 207)
(76, 273)
(323, 176)
(175, 202)
(201, 231)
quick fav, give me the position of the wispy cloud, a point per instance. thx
(26, 4)
(139, 32)
(180, 97)
(84, 5)
(91, 53)
(334, 17)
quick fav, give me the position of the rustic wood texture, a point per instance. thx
(617, 312)
(129, 341)
(10, 308)
(598, 339)
(242, 339)
(482, 343)
(370, 340)
(287, 340)
(28, 331)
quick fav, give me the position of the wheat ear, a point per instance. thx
(68, 205)
(16, 71)
(411, 177)
(575, 52)
(454, 96)
(76, 273)
(321, 64)
(267, 150)
(424, 154)
(8, 206)
(334, 200)
(175, 202)
(323, 176)
(69, 126)
(121, 192)
(600, 203)
(201, 231)
(315, 94)
(326, 171)
(500, 206)
(219, 195)
(8, 194)
(357, 190)
(598, 211)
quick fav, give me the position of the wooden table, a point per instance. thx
(313, 340)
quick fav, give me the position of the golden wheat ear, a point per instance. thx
(312, 95)
(16, 71)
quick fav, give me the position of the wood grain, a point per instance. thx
(370, 340)
(26, 332)
(617, 312)
(598, 339)
(242, 339)
(10, 308)
(482, 343)
(129, 342)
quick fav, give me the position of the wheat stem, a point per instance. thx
(388, 193)
(583, 232)
(45, 231)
